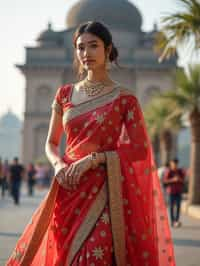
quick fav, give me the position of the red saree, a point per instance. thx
(117, 215)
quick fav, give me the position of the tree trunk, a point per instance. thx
(194, 180)
(156, 149)
(166, 143)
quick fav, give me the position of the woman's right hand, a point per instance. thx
(60, 169)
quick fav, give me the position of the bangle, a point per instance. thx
(94, 160)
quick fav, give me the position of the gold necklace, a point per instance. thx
(93, 88)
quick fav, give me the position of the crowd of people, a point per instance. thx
(13, 174)
(172, 179)
(173, 183)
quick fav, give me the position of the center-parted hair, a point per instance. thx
(101, 31)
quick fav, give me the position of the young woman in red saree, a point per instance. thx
(105, 205)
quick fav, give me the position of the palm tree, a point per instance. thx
(179, 28)
(186, 96)
(159, 126)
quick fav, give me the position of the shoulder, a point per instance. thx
(63, 93)
(64, 89)
(128, 95)
(126, 91)
(61, 98)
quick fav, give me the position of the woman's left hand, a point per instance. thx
(76, 170)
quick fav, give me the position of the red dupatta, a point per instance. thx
(125, 197)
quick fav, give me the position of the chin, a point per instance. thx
(93, 67)
(90, 68)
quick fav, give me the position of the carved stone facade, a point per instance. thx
(49, 65)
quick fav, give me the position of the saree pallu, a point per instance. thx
(117, 215)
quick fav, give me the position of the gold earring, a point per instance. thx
(81, 72)
(107, 62)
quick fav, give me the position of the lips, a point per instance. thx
(88, 61)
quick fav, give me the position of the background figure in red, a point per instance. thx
(174, 180)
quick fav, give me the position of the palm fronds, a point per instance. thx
(178, 28)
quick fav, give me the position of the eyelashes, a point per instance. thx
(93, 46)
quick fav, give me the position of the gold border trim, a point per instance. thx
(116, 207)
(76, 110)
(41, 226)
(88, 223)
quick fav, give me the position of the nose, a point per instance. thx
(86, 52)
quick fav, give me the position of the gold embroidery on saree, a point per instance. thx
(72, 112)
(41, 226)
(116, 207)
(88, 223)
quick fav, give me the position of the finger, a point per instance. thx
(67, 174)
(60, 177)
(79, 178)
(64, 179)
(70, 175)
(68, 170)
(76, 177)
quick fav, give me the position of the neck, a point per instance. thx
(98, 76)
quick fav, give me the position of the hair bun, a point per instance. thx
(113, 54)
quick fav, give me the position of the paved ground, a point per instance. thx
(14, 218)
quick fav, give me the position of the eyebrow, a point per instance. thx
(89, 42)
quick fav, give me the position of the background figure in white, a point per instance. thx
(40, 175)
(161, 173)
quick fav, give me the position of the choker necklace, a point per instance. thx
(93, 88)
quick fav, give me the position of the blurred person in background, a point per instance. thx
(16, 173)
(40, 175)
(5, 171)
(174, 180)
(31, 178)
(161, 173)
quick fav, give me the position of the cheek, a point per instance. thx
(79, 55)
(100, 54)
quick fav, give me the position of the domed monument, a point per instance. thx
(10, 135)
(49, 64)
(119, 14)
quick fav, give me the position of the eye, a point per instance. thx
(81, 48)
(94, 45)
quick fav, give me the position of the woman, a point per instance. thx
(31, 179)
(105, 205)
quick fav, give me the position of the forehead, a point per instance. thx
(87, 38)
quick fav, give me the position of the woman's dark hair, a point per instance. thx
(101, 31)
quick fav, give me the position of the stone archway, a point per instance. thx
(43, 98)
(40, 135)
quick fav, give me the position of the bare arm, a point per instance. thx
(53, 140)
(171, 180)
(167, 180)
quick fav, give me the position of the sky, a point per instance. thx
(22, 21)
